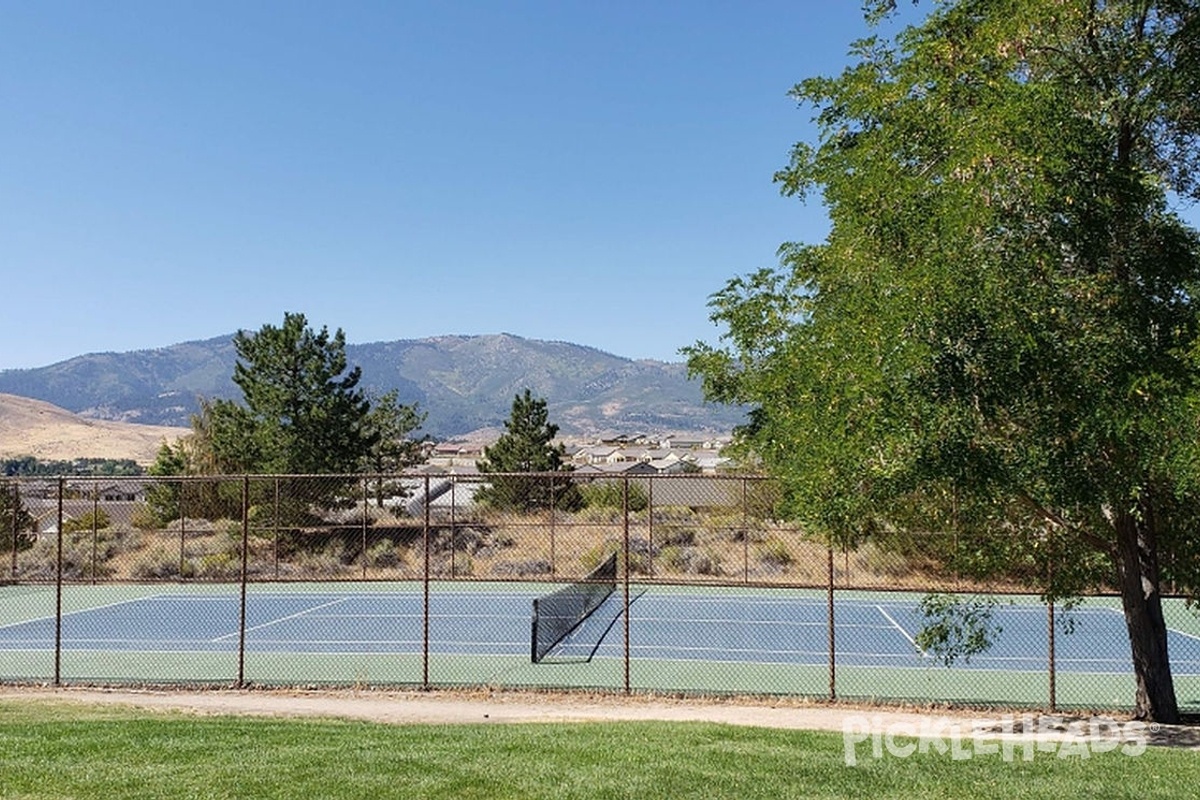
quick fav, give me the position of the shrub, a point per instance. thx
(639, 561)
(676, 536)
(41, 560)
(144, 519)
(775, 552)
(384, 554)
(93, 520)
(163, 564)
(690, 560)
(219, 565)
(611, 495)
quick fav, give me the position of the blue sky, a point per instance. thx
(581, 171)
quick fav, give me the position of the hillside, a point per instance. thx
(35, 428)
(463, 383)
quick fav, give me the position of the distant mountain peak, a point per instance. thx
(463, 382)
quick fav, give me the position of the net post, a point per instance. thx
(533, 633)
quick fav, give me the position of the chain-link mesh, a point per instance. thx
(429, 580)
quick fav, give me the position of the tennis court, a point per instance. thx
(674, 638)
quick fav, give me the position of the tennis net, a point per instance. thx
(556, 614)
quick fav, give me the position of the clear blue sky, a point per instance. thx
(583, 170)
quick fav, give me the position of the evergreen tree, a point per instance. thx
(16, 523)
(303, 411)
(527, 446)
(392, 425)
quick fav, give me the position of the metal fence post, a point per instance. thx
(832, 642)
(366, 503)
(553, 566)
(454, 528)
(1051, 666)
(650, 480)
(241, 676)
(58, 588)
(275, 527)
(745, 536)
(182, 529)
(625, 584)
(425, 585)
(16, 507)
(95, 529)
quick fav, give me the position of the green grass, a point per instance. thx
(58, 750)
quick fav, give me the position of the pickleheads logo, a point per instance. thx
(1009, 738)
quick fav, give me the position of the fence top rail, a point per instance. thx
(446, 475)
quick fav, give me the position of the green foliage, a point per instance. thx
(303, 411)
(162, 497)
(610, 495)
(16, 523)
(391, 425)
(527, 446)
(92, 520)
(999, 330)
(956, 627)
(775, 551)
(28, 465)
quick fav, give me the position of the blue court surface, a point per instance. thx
(716, 625)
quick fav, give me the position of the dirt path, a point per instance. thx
(453, 707)
(462, 707)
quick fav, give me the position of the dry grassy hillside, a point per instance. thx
(33, 428)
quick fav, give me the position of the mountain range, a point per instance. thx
(464, 384)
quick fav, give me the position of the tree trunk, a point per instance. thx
(1137, 567)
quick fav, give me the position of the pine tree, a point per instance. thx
(16, 523)
(304, 412)
(527, 446)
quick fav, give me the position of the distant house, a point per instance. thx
(120, 492)
(618, 468)
(668, 466)
(452, 454)
(598, 454)
(684, 443)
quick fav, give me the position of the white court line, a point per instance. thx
(52, 617)
(1184, 634)
(900, 628)
(303, 613)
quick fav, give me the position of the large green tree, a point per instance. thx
(303, 411)
(527, 446)
(1000, 331)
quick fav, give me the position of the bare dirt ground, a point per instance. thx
(484, 707)
(458, 707)
(34, 428)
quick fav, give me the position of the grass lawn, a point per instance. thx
(53, 750)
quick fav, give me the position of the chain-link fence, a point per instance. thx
(430, 580)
